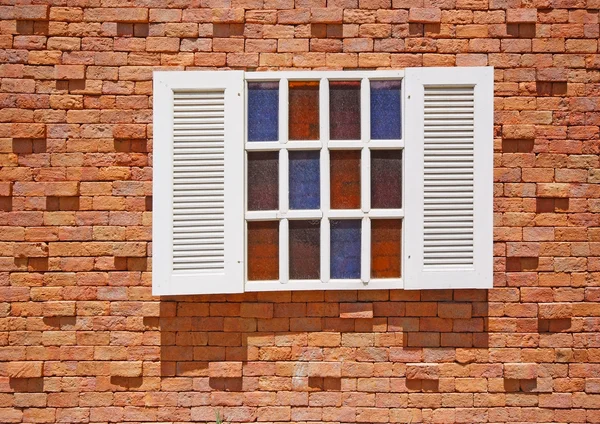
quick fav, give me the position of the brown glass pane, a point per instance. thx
(263, 250)
(304, 110)
(263, 181)
(386, 179)
(344, 110)
(305, 255)
(345, 179)
(385, 248)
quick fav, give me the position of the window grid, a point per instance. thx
(325, 214)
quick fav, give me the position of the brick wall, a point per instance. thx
(83, 340)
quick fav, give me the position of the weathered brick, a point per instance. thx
(521, 15)
(425, 15)
(28, 369)
(225, 369)
(520, 371)
(422, 371)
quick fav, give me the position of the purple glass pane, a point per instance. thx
(263, 181)
(305, 254)
(344, 110)
(386, 179)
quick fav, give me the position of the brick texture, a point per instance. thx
(82, 339)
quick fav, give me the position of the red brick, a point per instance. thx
(422, 371)
(356, 310)
(520, 371)
(521, 15)
(425, 15)
(225, 369)
(31, 12)
(324, 369)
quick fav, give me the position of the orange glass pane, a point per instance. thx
(345, 179)
(263, 250)
(304, 110)
(385, 248)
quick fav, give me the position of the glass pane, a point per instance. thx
(263, 111)
(344, 110)
(345, 179)
(385, 110)
(385, 248)
(263, 181)
(305, 255)
(345, 248)
(386, 179)
(305, 180)
(304, 110)
(263, 250)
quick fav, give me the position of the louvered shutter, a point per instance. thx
(449, 178)
(198, 183)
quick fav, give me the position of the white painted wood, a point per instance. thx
(283, 110)
(262, 215)
(284, 251)
(449, 160)
(333, 284)
(198, 183)
(365, 239)
(325, 186)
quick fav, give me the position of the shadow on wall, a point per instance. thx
(303, 342)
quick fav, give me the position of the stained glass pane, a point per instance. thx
(263, 181)
(344, 110)
(385, 248)
(345, 179)
(345, 248)
(305, 255)
(385, 110)
(386, 179)
(263, 111)
(263, 250)
(304, 110)
(304, 180)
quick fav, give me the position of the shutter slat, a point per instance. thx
(198, 154)
(447, 218)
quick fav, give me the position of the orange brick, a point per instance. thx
(29, 369)
(225, 369)
(425, 15)
(520, 371)
(422, 371)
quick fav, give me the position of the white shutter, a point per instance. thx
(198, 183)
(449, 178)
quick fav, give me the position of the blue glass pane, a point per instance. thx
(304, 180)
(345, 248)
(385, 110)
(263, 111)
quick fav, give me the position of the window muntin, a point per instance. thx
(333, 160)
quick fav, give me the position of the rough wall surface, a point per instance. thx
(83, 340)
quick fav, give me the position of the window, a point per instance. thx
(322, 180)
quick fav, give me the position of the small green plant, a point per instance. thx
(218, 418)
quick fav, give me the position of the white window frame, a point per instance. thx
(325, 213)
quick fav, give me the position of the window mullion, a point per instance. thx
(284, 251)
(284, 242)
(325, 199)
(365, 116)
